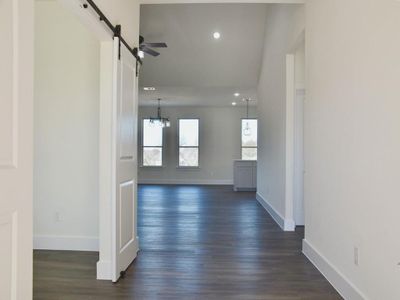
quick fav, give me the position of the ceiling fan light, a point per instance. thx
(149, 88)
(141, 54)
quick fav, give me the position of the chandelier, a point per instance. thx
(159, 120)
(247, 129)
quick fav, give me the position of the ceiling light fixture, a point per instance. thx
(234, 103)
(159, 120)
(216, 35)
(236, 94)
(149, 88)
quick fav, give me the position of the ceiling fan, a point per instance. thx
(146, 46)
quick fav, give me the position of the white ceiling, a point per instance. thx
(196, 69)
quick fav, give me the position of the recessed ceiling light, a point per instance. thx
(149, 88)
(216, 35)
(234, 103)
(236, 94)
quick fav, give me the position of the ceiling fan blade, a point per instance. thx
(156, 45)
(149, 51)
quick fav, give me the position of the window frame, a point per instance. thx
(179, 146)
(241, 139)
(142, 165)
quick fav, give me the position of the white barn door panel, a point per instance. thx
(125, 241)
(16, 115)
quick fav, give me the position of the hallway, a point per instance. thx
(197, 242)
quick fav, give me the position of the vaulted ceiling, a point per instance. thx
(197, 69)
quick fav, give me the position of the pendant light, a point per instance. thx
(159, 120)
(247, 129)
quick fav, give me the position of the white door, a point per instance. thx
(125, 103)
(16, 116)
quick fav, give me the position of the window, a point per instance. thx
(152, 154)
(249, 139)
(188, 142)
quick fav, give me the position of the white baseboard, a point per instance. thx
(285, 224)
(344, 287)
(187, 181)
(74, 243)
(103, 269)
(289, 225)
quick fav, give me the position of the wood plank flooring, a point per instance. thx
(197, 242)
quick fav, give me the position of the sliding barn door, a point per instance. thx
(16, 115)
(125, 242)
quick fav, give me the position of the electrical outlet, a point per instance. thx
(356, 256)
(59, 217)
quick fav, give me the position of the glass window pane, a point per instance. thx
(189, 133)
(249, 153)
(152, 134)
(188, 157)
(152, 156)
(249, 133)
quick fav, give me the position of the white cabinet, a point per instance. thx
(244, 175)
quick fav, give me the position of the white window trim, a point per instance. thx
(142, 148)
(179, 146)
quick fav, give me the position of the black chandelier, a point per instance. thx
(159, 120)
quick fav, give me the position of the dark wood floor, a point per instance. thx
(196, 243)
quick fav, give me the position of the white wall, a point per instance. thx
(66, 113)
(352, 144)
(220, 144)
(119, 12)
(284, 25)
(126, 13)
(300, 65)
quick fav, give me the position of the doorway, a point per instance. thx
(66, 131)
(300, 93)
(295, 97)
(85, 142)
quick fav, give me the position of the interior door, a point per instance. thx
(16, 116)
(125, 241)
